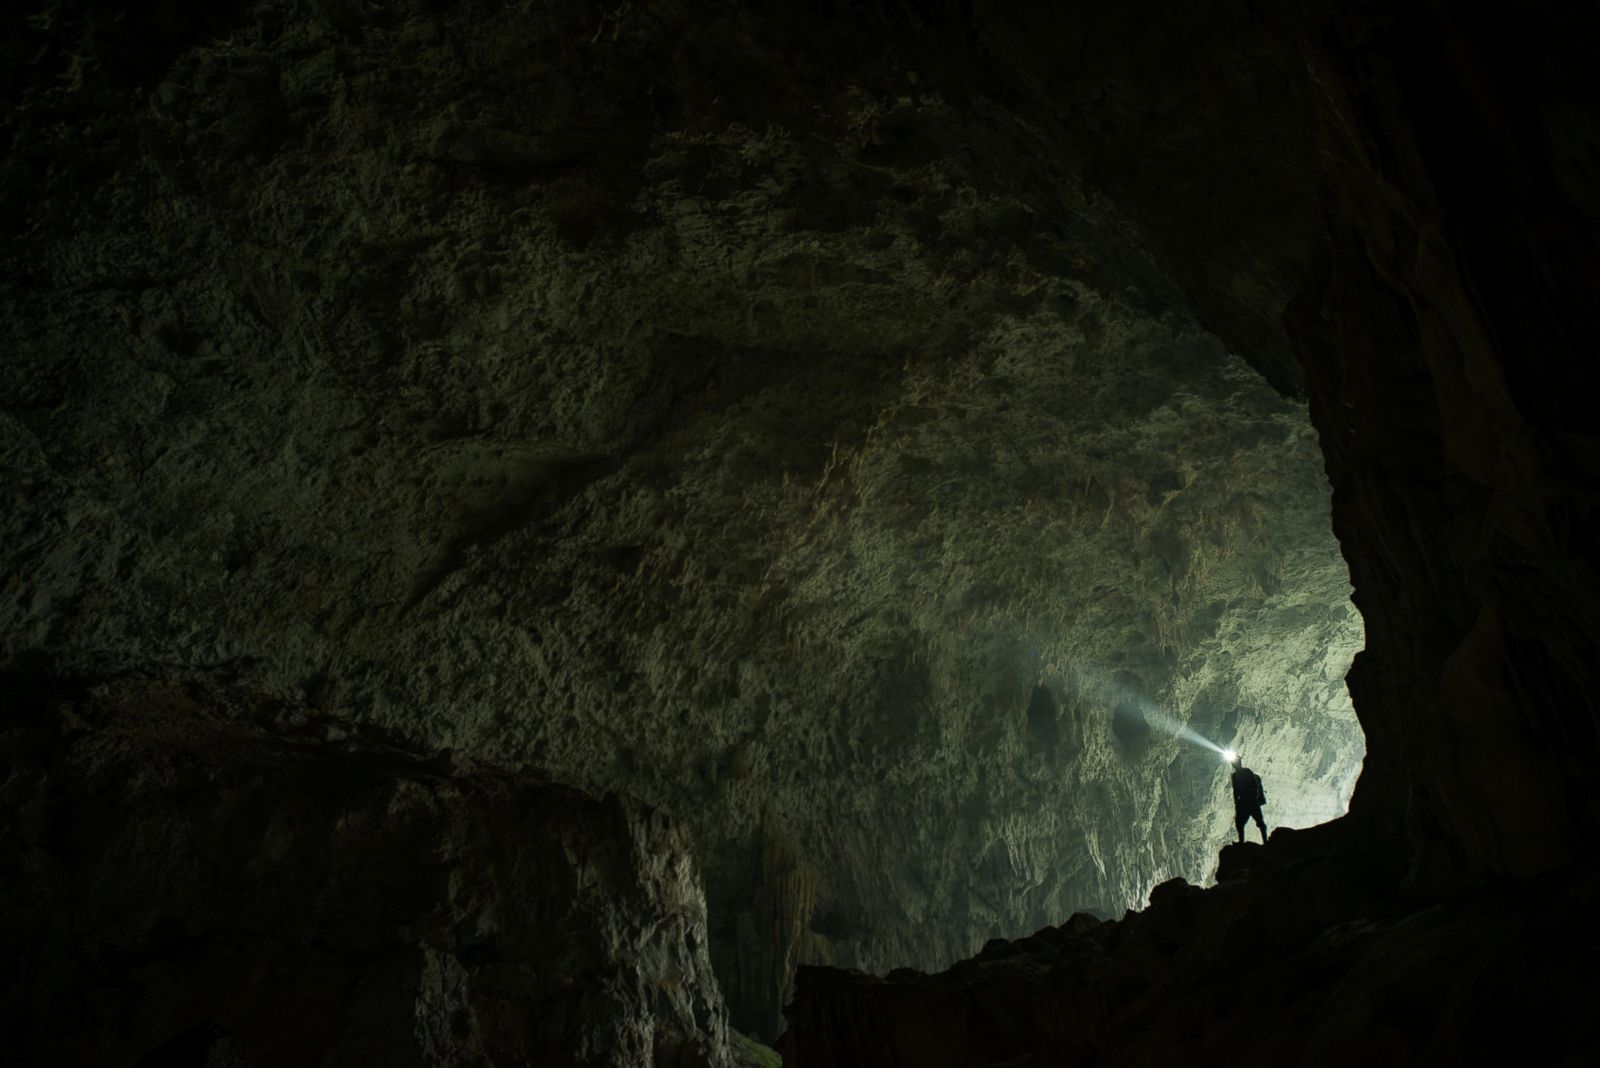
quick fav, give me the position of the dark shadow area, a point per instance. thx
(1044, 719)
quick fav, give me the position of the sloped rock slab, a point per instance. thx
(186, 886)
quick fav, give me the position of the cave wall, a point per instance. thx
(828, 426)
(1447, 350)
(194, 877)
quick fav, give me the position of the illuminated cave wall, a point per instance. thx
(813, 468)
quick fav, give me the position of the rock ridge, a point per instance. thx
(195, 876)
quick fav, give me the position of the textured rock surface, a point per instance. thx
(183, 886)
(1449, 352)
(811, 424)
(1447, 349)
(1301, 955)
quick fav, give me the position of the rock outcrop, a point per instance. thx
(1304, 953)
(1447, 351)
(192, 879)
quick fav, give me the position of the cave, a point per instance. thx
(710, 533)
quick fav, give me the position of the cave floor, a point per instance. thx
(1304, 953)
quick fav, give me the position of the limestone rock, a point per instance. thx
(183, 883)
(1309, 959)
(1457, 426)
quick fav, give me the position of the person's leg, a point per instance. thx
(1260, 822)
(1239, 818)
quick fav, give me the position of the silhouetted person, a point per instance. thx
(1248, 797)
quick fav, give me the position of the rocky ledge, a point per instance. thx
(1302, 954)
(191, 878)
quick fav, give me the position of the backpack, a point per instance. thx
(1242, 790)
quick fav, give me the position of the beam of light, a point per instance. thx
(1115, 694)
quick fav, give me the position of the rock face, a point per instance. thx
(1446, 350)
(184, 886)
(815, 425)
(1303, 954)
